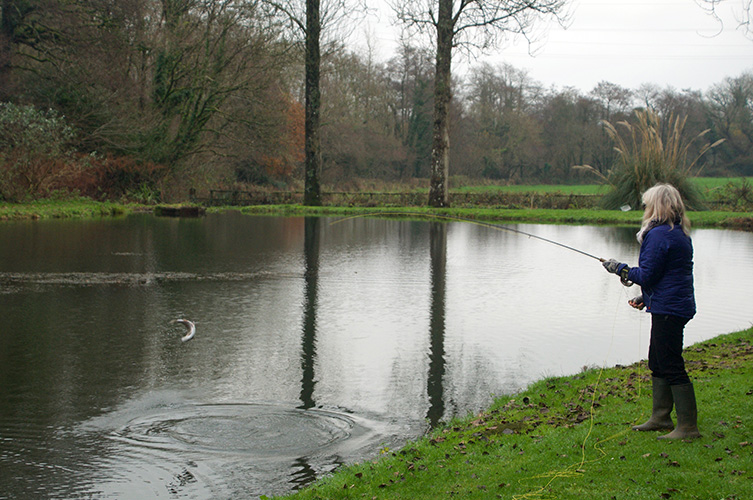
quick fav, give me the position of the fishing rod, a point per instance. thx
(483, 224)
(477, 222)
(530, 235)
(623, 280)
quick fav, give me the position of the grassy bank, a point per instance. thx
(570, 438)
(705, 184)
(84, 208)
(711, 219)
(59, 209)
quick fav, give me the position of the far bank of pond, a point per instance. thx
(707, 219)
(85, 208)
(65, 209)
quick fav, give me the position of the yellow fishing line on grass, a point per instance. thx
(577, 470)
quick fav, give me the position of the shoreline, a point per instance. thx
(84, 208)
(708, 219)
(570, 438)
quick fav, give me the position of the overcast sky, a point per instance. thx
(628, 42)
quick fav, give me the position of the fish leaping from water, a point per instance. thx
(190, 329)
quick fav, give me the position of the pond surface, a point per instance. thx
(319, 341)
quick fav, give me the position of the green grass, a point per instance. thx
(546, 216)
(710, 183)
(585, 189)
(87, 208)
(705, 184)
(57, 209)
(570, 438)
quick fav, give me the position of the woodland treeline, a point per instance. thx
(148, 99)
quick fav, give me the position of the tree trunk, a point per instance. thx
(7, 26)
(440, 152)
(312, 190)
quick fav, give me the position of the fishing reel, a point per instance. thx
(624, 277)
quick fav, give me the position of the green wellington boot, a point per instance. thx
(687, 413)
(662, 407)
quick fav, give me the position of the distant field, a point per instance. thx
(710, 183)
(537, 188)
(705, 183)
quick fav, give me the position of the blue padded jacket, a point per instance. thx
(665, 271)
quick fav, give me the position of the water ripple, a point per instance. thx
(129, 279)
(253, 429)
(193, 450)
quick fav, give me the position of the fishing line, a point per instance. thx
(478, 223)
(577, 469)
(574, 470)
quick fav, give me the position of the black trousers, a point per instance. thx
(665, 349)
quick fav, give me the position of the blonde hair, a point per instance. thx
(663, 206)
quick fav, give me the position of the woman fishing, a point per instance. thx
(665, 274)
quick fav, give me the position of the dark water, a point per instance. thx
(317, 343)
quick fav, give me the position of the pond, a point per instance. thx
(319, 341)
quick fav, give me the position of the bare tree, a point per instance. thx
(313, 152)
(742, 16)
(614, 104)
(411, 74)
(9, 14)
(730, 110)
(473, 24)
(613, 99)
(507, 138)
(312, 20)
(148, 78)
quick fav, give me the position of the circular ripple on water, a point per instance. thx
(260, 430)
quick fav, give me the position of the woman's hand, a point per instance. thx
(637, 302)
(612, 266)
